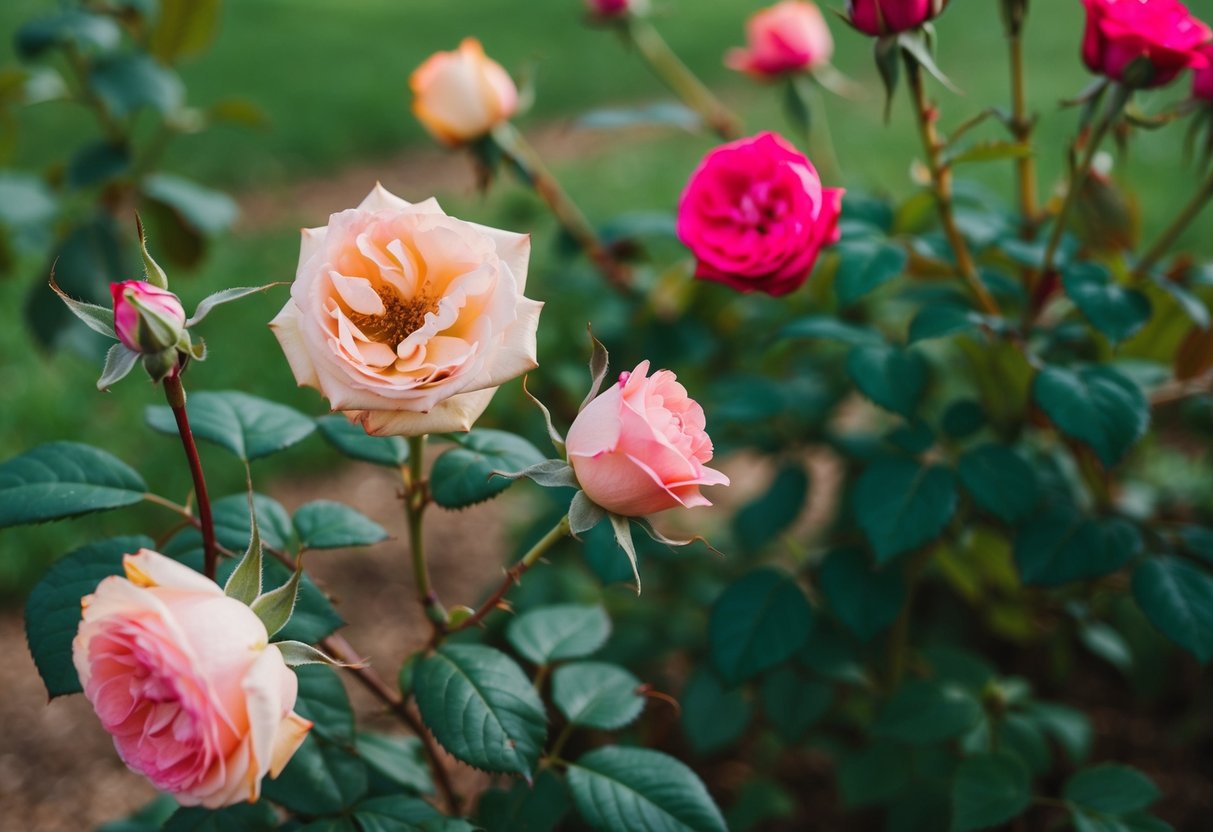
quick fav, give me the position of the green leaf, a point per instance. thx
(354, 442)
(64, 479)
(242, 817)
(891, 377)
(1111, 789)
(757, 622)
(1177, 598)
(119, 361)
(864, 265)
(129, 82)
(184, 28)
(199, 210)
(400, 813)
(222, 297)
(325, 524)
(1070, 728)
(233, 529)
(999, 481)
(713, 718)
(829, 328)
(400, 760)
(1117, 312)
(760, 521)
(248, 426)
(941, 320)
(463, 475)
(558, 632)
(987, 151)
(244, 584)
(873, 775)
(482, 708)
(989, 789)
(525, 807)
(149, 818)
(793, 702)
(89, 33)
(902, 506)
(97, 163)
(1058, 545)
(52, 612)
(922, 712)
(963, 418)
(1084, 822)
(323, 700)
(866, 600)
(759, 804)
(1097, 405)
(276, 606)
(320, 779)
(621, 789)
(597, 695)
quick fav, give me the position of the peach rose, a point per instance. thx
(461, 95)
(408, 319)
(641, 447)
(185, 680)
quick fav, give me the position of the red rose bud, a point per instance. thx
(147, 319)
(1143, 43)
(887, 17)
(1202, 77)
(616, 8)
(790, 36)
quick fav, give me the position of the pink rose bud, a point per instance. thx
(147, 319)
(1202, 78)
(1143, 43)
(186, 681)
(887, 17)
(641, 447)
(791, 36)
(755, 215)
(460, 96)
(616, 8)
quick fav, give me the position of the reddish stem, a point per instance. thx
(175, 394)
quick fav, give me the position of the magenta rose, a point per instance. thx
(615, 8)
(755, 215)
(147, 319)
(1202, 78)
(887, 17)
(790, 36)
(641, 447)
(1162, 32)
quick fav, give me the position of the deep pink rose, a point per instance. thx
(791, 36)
(1202, 78)
(886, 17)
(616, 8)
(186, 681)
(146, 318)
(641, 447)
(755, 215)
(1162, 32)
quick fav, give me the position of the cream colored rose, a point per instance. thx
(407, 319)
(460, 95)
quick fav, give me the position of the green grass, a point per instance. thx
(332, 77)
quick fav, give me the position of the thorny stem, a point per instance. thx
(175, 393)
(1021, 126)
(899, 637)
(514, 573)
(941, 182)
(679, 78)
(416, 497)
(570, 217)
(1168, 237)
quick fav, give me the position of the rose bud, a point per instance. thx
(407, 319)
(185, 680)
(640, 447)
(1142, 43)
(755, 215)
(887, 17)
(461, 95)
(616, 8)
(147, 319)
(791, 36)
(1202, 77)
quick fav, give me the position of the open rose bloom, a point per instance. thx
(641, 446)
(185, 680)
(407, 319)
(790, 36)
(1163, 32)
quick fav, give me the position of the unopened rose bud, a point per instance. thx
(1202, 77)
(790, 36)
(616, 8)
(887, 17)
(147, 319)
(461, 95)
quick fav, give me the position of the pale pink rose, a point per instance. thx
(791, 36)
(755, 215)
(461, 95)
(1202, 78)
(640, 447)
(408, 319)
(1162, 32)
(146, 317)
(185, 680)
(886, 17)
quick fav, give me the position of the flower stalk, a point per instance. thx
(1021, 121)
(174, 392)
(1171, 233)
(416, 498)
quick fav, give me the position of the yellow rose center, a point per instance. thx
(400, 318)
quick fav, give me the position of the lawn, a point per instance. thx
(332, 78)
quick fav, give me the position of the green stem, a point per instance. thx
(941, 181)
(1021, 125)
(679, 78)
(1168, 237)
(899, 637)
(562, 740)
(416, 498)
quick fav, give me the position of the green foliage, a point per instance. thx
(866, 600)
(999, 481)
(891, 377)
(1110, 789)
(926, 712)
(322, 778)
(864, 265)
(762, 520)
(713, 717)
(597, 695)
(902, 506)
(989, 789)
(64, 479)
(325, 524)
(792, 702)
(1177, 597)
(243, 817)
(1097, 405)
(1060, 545)
(351, 440)
(538, 808)
(465, 475)
(559, 632)
(248, 426)
(756, 623)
